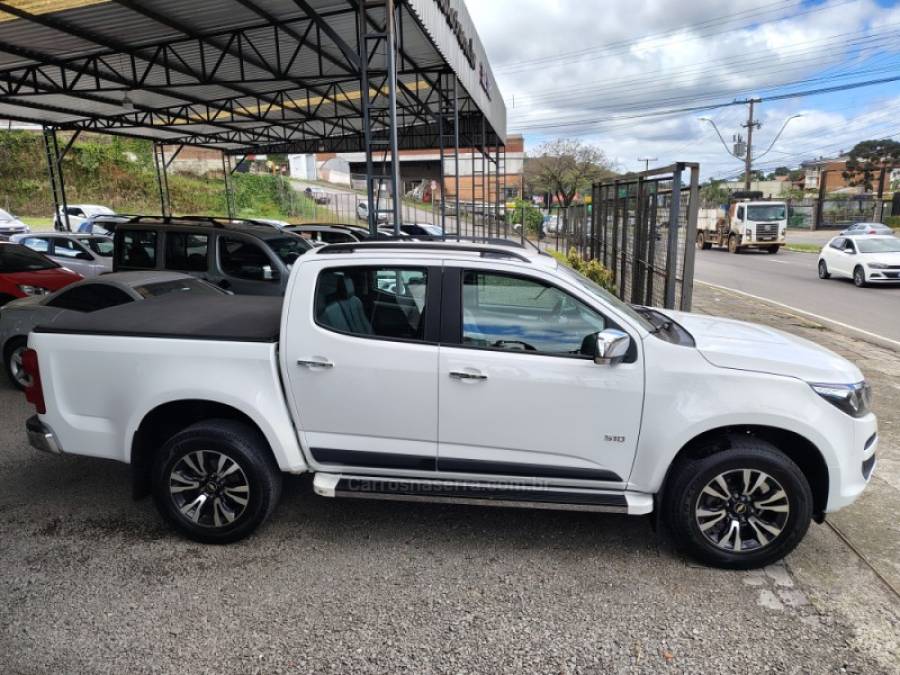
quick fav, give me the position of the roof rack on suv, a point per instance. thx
(212, 221)
(406, 245)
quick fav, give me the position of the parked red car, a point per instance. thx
(24, 272)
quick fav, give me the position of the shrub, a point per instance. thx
(592, 269)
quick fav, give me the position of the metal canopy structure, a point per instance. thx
(261, 76)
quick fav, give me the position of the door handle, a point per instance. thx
(315, 363)
(464, 375)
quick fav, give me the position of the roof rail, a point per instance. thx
(484, 250)
(212, 221)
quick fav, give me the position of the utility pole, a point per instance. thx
(748, 158)
(646, 161)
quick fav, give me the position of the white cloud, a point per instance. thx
(689, 56)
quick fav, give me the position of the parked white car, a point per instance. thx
(78, 213)
(87, 254)
(737, 434)
(362, 212)
(867, 259)
(10, 225)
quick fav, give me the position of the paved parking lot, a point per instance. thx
(92, 582)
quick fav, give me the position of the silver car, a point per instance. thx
(10, 225)
(19, 317)
(87, 254)
(868, 228)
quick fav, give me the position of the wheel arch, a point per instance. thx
(167, 419)
(798, 448)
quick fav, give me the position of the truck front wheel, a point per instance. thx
(216, 481)
(773, 248)
(740, 508)
(734, 244)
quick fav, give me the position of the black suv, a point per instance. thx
(241, 256)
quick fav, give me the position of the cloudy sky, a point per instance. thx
(619, 73)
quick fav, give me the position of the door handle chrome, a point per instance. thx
(315, 363)
(463, 375)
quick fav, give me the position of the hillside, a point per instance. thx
(119, 173)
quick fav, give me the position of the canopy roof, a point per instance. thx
(241, 75)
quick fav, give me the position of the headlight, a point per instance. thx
(877, 266)
(748, 232)
(33, 290)
(853, 399)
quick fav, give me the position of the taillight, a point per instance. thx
(34, 390)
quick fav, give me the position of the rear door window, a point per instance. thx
(187, 252)
(67, 248)
(137, 249)
(244, 259)
(38, 244)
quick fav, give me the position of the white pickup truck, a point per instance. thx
(479, 374)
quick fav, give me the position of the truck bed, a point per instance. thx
(238, 318)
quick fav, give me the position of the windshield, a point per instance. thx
(197, 286)
(766, 212)
(100, 246)
(289, 248)
(16, 258)
(887, 245)
(604, 295)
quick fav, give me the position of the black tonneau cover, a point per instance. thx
(237, 318)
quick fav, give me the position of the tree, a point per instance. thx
(565, 167)
(869, 159)
(782, 171)
(715, 193)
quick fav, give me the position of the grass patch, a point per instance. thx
(38, 224)
(803, 248)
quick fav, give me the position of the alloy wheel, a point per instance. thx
(17, 368)
(823, 270)
(209, 488)
(742, 510)
(859, 277)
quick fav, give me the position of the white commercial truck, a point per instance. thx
(412, 371)
(747, 222)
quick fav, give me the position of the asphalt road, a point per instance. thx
(790, 278)
(92, 582)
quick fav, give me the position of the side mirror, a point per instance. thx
(607, 347)
(269, 274)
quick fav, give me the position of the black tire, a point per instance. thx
(733, 245)
(859, 277)
(685, 490)
(239, 443)
(4, 298)
(13, 345)
(773, 249)
(823, 270)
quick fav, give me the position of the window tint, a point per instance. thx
(16, 258)
(336, 237)
(516, 314)
(848, 245)
(387, 302)
(90, 298)
(244, 259)
(137, 249)
(288, 249)
(187, 252)
(740, 213)
(99, 245)
(38, 244)
(67, 248)
(838, 243)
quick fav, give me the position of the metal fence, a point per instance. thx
(642, 228)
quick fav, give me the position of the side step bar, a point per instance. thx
(481, 493)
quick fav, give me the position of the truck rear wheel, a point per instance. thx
(702, 244)
(216, 481)
(740, 508)
(733, 244)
